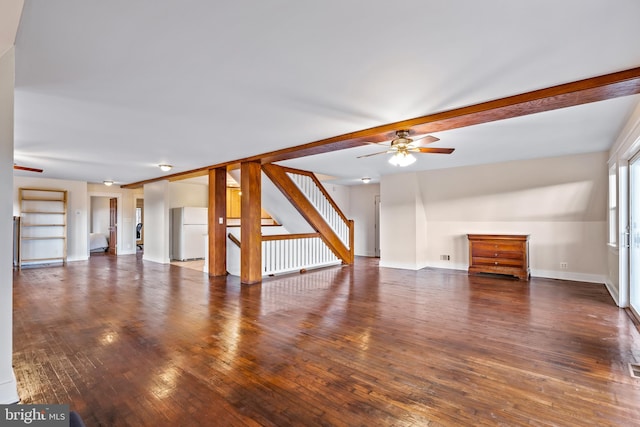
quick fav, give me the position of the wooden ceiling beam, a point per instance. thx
(594, 89)
(585, 91)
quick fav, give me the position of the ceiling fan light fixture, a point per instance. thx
(365, 180)
(402, 159)
(165, 168)
(108, 183)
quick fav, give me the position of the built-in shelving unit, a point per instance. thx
(43, 226)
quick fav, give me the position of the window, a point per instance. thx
(613, 205)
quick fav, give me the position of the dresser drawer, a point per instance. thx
(497, 253)
(494, 246)
(504, 262)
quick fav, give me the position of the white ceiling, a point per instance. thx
(108, 90)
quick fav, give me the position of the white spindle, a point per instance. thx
(288, 255)
(324, 207)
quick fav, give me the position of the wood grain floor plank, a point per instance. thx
(132, 343)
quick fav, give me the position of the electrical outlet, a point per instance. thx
(564, 265)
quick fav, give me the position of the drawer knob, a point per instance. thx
(496, 262)
(496, 254)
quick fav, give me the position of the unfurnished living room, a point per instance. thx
(408, 213)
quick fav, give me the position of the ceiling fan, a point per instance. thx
(402, 146)
(26, 168)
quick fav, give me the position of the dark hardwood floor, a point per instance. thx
(127, 342)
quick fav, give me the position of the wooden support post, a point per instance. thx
(217, 218)
(250, 229)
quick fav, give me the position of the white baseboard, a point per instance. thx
(448, 265)
(613, 292)
(157, 260)
(399, 265)
(548, 274)
(368, 255)
(569, 275)
(9, 391)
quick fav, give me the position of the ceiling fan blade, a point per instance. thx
(374, 154)
(434, 150)
(28, 169)
(425, 139)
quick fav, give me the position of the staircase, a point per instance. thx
(330, 243)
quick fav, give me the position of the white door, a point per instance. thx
(634, 231)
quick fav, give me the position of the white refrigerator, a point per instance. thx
(189, 226)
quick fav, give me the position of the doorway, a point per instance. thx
(634, 234)
(113, 226)
(100, 218)
(139, 222)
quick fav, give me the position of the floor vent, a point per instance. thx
(634, 369)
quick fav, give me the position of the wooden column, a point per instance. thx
(217, 222)
(250, 230)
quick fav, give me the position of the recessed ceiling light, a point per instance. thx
(108, 183)
(165, 168)
(366, 180)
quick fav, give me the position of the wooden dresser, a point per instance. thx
(499, 253)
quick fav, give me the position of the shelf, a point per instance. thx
(51, 206)
(41, 199)
(43, 238)
(44, 212)
(43, 259)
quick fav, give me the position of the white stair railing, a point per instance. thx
(295, 252)
(284, 253)
(316, 196)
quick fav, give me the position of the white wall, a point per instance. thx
(183, 194)
(8, 385)
(156, 222)
(99, 215)
(77, 211)
(402, 222)
(340, 195)
(362, 212)
(560, 202)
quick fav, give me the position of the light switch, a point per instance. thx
(220, 220)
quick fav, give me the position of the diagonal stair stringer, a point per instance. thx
(278, 175)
